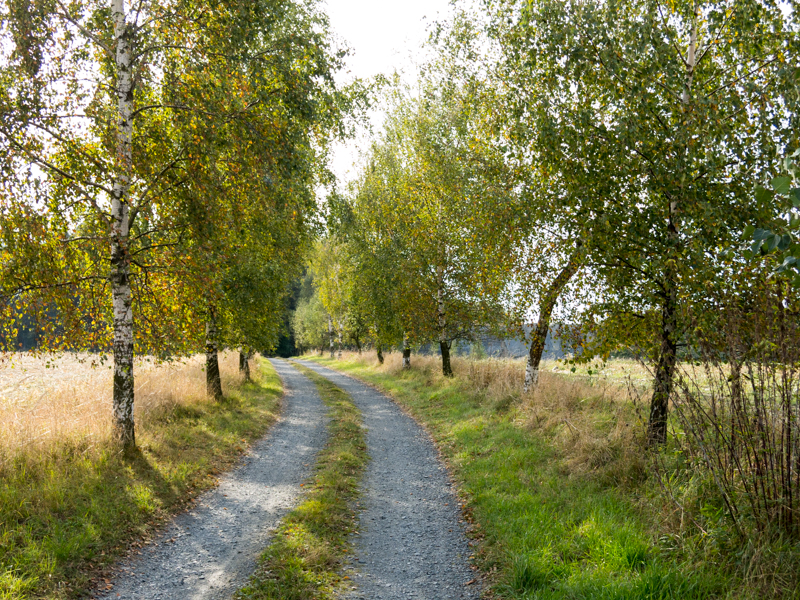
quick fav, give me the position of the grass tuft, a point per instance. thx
(303, 561)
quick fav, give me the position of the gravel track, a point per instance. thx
(216, 545)
(411, 544)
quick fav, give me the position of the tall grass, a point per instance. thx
(50, 403)
(590, 418)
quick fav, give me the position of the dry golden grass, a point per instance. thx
(51, 402)
(592, 419)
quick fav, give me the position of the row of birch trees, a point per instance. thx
(606, 162)
(158, 162)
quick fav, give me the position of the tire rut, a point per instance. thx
(217, 544)
(411, 544)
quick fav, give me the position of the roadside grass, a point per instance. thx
(555, 482)
(304, 559)
(68, 511)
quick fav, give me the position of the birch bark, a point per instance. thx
(119, 275)
(406, 353)
(330, 333)
(244, 364)
(444, 344)
(539, 334)
(339, 332)
(213, 380)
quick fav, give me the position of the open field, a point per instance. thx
(70, 503)
(50, 401)
(562, 490)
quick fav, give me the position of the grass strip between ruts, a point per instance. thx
(303, 561)
(63, 525)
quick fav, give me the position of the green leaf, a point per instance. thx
(794, 196)
(763, 194)
(781, 184)
(772, 242)
(748, 232)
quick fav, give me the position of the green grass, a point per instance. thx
(64, 519)
(304, 559)
(546, 531)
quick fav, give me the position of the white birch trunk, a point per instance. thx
(119, 276)
(667, 359)
(531, 376)
(444, 345)
(442, 321)
(213, 380)
(339, 332)
(330, 333)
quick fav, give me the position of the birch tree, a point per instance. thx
(667, 112)
(100, 109)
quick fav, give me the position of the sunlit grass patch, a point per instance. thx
(304, 559)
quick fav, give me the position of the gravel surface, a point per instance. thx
(411, 544)
(211, 551)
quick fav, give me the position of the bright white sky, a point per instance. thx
(384, 36)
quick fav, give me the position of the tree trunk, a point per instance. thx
(330, 333)
(667, 358)
(119, 277)
(665, 371)
(213, 380)
(447, 370)
(244, 364)
(380, 353)
(339, 332)
(406, 353)
(444, 343)
(539, 334)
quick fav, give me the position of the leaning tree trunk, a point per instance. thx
(244, 364)
(213, 380)
(330, 333)
(444, 343)
(539, 334)
(119, 277)
(406, 353)
(380, 352)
